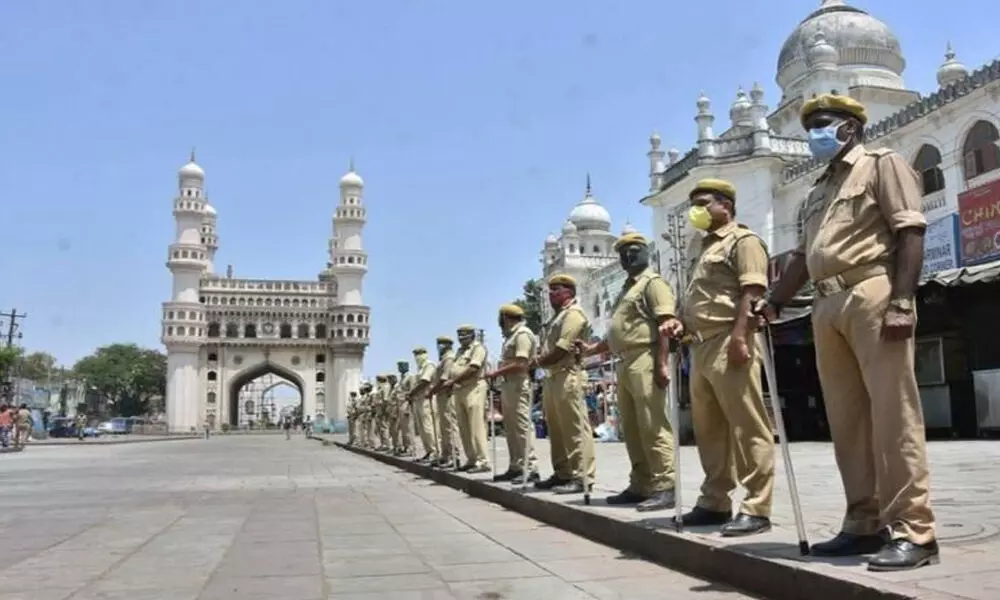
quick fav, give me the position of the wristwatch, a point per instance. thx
(903, 305)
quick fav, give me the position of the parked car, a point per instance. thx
(65, 427)
(116, 426)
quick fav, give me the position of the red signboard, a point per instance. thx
(979, 224)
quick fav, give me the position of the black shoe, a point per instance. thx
(509, 475)
(550, 483)
(425, 458)
(465, 467)
(658, 501)
(903, 555)
(700, 517)
(625, 498)
(572, 487)
(744, 524)
(849, 544)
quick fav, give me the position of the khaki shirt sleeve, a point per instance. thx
(751, 261)
(427, 373)
(522, 346)
(477, 356)
(572, 326)
(661, 298)
(899, 194)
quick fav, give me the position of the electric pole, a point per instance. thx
(673, 234)
(13, 333)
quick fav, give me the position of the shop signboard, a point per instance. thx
(940, 246)
(979, 224)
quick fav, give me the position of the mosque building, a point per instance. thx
(950, 136)
(222, 332)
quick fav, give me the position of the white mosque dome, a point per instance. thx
(860, 40)
(210, 211)
(352, 179)
(191, 171)
(569, 228)
(952, 70)
(551, 240)
(589, 214)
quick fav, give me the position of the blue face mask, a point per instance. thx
(823, 142)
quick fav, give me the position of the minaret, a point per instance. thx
(348, 265)
(656, 166)
(209, 237)
(183, 315)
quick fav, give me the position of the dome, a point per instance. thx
(191, 171)
(588, 214)
(210, 211)
(569, 228)
(740, 113)
(860, 40)
(352, 179)
(629, 229)
(821, 53)
(952, 70)
(551, 240)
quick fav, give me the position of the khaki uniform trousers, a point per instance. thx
(425, 424)
(405, 426)
(873, 407)
(384, 437)
(470, 406)
(446, 423)
(731, 427)
(515, 398)
(352, 430)
(642, 412)
(395, 431)
(571, 439)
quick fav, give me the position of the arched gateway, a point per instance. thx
(222, 332)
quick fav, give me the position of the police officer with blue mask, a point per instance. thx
(862, 246)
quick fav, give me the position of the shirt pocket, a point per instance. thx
(847, 205)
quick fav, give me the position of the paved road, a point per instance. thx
(259, 517)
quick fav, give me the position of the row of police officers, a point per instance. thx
(862, 247)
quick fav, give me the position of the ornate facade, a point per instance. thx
(950, 135)
(222, 332)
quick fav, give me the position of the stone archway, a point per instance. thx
(246, 376)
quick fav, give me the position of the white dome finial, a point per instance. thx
(191, 170)
(351, 178)
(951, 70)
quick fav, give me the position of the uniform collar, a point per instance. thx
(647, 272)
(723, 231)
(846, 160)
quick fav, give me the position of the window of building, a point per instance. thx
(232, 330)
(212, 357)
(320, 377)
(213, 330)
(928, 165)
(303, 330)
(212, 376)
(250, 330)
(321, 331)
(320, 359)
(980, 153)
(285, 330)
(211, 397)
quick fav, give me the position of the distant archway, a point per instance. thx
(252, 373)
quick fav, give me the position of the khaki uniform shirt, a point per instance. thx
(403, 388)
(852, 213)
(426, 373)
(520, 344)
(568, 326)
(472, 356)
(446, 368)
(731, 259)
(641, 302)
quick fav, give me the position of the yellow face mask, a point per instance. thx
(700, 217)
(421, 360)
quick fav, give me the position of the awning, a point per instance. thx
(984, 273)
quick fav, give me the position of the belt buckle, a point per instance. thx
(828, 286)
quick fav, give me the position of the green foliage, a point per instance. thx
(125, 376)
(531, 301)
(226, 427)
(39, 367)
(9, 357)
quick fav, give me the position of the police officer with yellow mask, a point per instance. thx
(731, 425)
(470, 394)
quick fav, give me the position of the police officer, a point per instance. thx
(731, 426)
(571, 439)
(642, 323)
(352, 419)
(380, 400)
(446, 420)
(519, 347)
(421, 401)
(367, 415)
(862, 246)
(392, 413)
(403, 408)
(470, 391)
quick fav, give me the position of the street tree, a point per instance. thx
(10, 356)
(39, 367)
(531, 302)
(124, 376)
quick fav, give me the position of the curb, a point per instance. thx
(78, 444)
(774, 579)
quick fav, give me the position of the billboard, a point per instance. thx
(940, 247)
(979, 224)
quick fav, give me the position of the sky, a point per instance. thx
(474, 125)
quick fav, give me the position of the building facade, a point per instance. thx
(222, 332)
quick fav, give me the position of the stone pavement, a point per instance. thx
(262, 518)
(965, 491)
